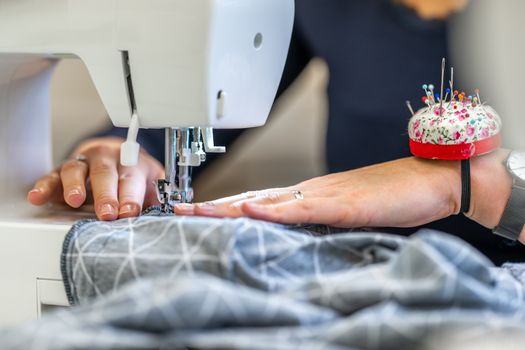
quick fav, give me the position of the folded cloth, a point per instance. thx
(100, 257)
(183, 282)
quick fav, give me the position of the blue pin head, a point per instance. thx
(436, 96)
(447, 90)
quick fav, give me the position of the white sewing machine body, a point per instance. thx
(176, 63)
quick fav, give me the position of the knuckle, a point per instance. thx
(250, 194)
(105, 197)
(235, 206)
(130, 175)
(51, 177)
(306, 206)
(307, 211)
(67, 166)
(103, 167)
(102, 149)
(131, 202)
(125, 177)
(274, 197)
(70, 166)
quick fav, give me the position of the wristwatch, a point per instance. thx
(513, 218)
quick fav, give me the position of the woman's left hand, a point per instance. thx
(402, 193)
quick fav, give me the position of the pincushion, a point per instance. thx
(458, 129)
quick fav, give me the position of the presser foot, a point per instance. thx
(168, 197)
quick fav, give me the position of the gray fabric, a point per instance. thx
(171, 282)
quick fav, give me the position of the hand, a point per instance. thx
(403, 193)
(118, 192)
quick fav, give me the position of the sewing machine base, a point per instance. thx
(30, 247)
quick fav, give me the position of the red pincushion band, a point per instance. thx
(455, 152)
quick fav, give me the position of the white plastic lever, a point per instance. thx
(130, 149)
(209, 143)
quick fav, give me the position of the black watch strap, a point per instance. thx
(513, 218)
(465, 186)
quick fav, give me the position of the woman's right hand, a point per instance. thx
(118, 191)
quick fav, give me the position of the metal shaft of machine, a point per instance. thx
(167, 188)
(185, 138)
(170, 159)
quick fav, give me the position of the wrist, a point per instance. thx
(491, 187)
(446, 177)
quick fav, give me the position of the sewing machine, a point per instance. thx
(186, 66)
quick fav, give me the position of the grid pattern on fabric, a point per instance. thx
(176, 283)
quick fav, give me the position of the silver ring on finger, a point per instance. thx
(81, 158)
(298, 195)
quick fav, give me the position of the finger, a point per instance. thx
(184, 209)
(218, 208)
(44, 189)
(213, 208)
(306, 211)
(73, 175)
(131, 190)
(228, 208)
(250, 195)
(104, 182)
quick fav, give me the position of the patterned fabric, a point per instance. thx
(178, 283)
(459, 123)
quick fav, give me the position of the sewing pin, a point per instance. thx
(477, 94)
(443, 66)
(409, 105)
(451, 81)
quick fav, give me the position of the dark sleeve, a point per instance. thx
(153, 140)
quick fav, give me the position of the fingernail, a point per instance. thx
(74, 193)
(36, 190)
(126, 209)
(107, 209)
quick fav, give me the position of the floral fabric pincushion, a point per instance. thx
(457, 129)
(462, 130)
